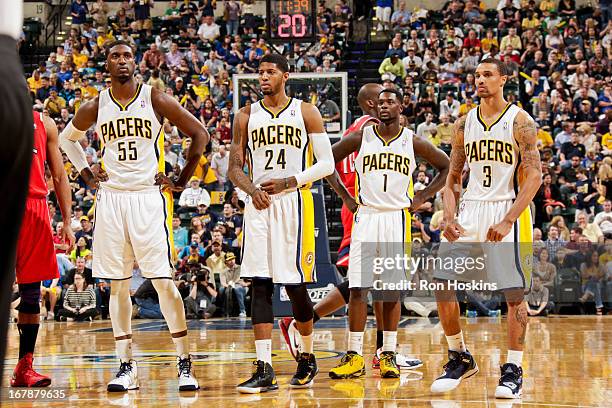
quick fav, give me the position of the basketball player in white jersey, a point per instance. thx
(133, 216)
(277, 138)
(384, 165)
(498, 141)
(367, 98)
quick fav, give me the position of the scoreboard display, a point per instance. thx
(291, 20)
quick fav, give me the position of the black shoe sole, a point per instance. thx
(188, 388)
(306, 385)
(118, 388)
(358, 374)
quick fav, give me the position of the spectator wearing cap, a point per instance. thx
(194, 249)
(393, 69)
(412, 63)
(201, 89)
(190, 197)
(163, 41)
(208, 31)
(200, 304)
(586, 115)
(54, 103)
(86, 229)
(230, 280)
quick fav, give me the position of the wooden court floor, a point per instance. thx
(568, 364)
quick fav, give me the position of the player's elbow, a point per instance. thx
(328, 167)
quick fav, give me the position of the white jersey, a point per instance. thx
(278, 145)
(492, 155)
(11, 17)
(384, 170)
(132, 140)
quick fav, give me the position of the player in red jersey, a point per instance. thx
(35, 261)
(339, 296)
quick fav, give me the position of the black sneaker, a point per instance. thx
(460, 365)
(262, 380)
(306, 371)
(511, 382)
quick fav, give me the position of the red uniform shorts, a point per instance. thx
(36, 259)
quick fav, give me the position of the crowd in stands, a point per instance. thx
(559, 71)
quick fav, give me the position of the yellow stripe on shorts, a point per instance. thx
(169, 202)
(306, 249)
(407, 231)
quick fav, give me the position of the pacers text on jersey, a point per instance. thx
(386, 161)
(276, 134)
(489, 150)
(126, 127)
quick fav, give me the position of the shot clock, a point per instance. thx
(291, 20)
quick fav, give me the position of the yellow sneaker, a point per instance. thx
(388, 366)
(350, 389)
(352, 365)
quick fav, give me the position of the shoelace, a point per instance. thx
(260, 368)
(452, 364)
(303, 367)
(345, 358)
(124, 369)
(387, 358)
(184, 367)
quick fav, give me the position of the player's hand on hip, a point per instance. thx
(92, 176)
(452, 231)
(68, 235)
(261, 199)
(166, 183)
(498, 231)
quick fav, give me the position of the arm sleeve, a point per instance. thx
(69, 142)
(324, 166)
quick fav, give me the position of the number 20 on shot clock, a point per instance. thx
(291, 20)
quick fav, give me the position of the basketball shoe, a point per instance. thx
(511, 382)
(403, 362)
(291, 336)
(388, 365)
(126, 378)
(25, 376)
(262, 380)
(187, 381)
(306, 371)
(352, 365)
(460, 365)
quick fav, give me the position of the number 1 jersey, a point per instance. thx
(278, 144)
(132, 140)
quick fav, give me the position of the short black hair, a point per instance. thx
(115, 43)
(277, 59)
(394, 91)
(501, 66)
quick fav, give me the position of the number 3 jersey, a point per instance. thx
(492, 155)
(278, 144)
(132, 140)
(384, 170)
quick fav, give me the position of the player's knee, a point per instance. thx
(261, 303)
(166, 286)
(300, 302)
(30, 298)
(358, 295)
(120, 287)
(344, 290)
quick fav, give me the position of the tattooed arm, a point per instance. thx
(261, 199)
(452, 188)
(530, 174)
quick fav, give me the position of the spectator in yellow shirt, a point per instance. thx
(34, 82)
(511, 39)
(489, 41)
(89, 91)
(104, 36)
(467, 106)
(80, 60)
(54, 103)
(199, 88)
(544, 138)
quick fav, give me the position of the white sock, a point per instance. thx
(389, 341)
(456, 343)
(307, 344)
(515, 357)
(182, 346)
(355, 342)
(124, 349)
(264, 350)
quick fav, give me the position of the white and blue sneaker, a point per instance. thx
(511, 382)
